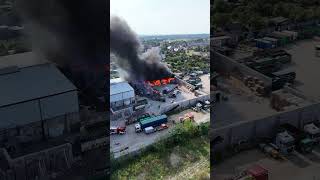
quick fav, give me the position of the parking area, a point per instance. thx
(296, 166)
(132, 141)
(306, 65)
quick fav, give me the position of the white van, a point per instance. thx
(149, 130)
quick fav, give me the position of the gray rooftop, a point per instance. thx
(22, 60)
(120, 87)
(32, 83)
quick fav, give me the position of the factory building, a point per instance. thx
(122, 99)
(36, 100)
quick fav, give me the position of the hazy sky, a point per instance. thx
(153, 17)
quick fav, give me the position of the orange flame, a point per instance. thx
(163, 81)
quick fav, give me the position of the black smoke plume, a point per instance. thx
(71, 33)
(75, 30)
(125, 44)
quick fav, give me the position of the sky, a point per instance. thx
(162, 17)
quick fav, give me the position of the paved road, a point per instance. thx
(132, 141)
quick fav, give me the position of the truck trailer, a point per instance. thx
(152, 121)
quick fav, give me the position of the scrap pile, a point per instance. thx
(281, 100)
(256, 85)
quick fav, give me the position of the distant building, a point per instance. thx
(122, 99)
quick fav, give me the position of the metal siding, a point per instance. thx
(59, 105)
(121, 96)
(116, 97)
(19, 114)
(128, 95)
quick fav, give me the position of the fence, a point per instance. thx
(184, 104)
(226, 64)
(264, 127)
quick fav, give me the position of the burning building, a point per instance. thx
(155, 89)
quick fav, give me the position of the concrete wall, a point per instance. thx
(184, 104)
(37, 164)
(265, 127)
(121, 114)
(86, 146)
(226, 64)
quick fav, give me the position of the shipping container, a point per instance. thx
(263, 44)
(153, 121)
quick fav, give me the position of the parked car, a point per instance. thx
(162, 127)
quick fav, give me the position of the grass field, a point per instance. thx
(183, 156)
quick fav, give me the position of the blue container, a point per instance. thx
(263, 44)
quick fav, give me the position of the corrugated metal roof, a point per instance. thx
(120, 87)
(22, 60)
(32, 83)
(116, 80)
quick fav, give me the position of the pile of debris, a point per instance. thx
(282, 100)
(256, 85)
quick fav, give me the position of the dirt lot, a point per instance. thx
(205, 79)
(241, 105)
(306, 66)
(296, 167)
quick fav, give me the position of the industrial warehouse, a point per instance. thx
(41, 127)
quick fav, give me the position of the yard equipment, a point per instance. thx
(313, 132)
(285, 142)
(187, 117)
(271, 150)
(302, 143)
